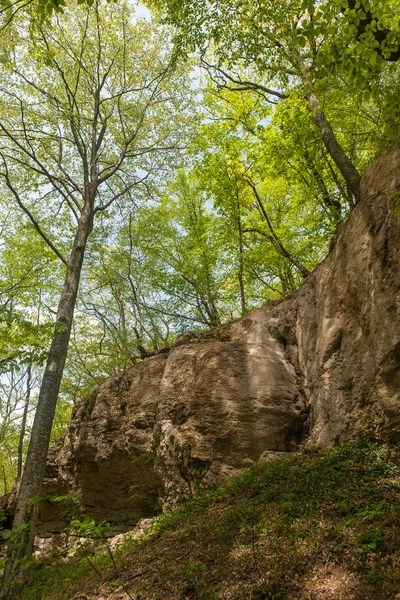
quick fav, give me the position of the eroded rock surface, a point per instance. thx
(200, 414)
(322, 367)
(348, 323)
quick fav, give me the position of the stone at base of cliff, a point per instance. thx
(65, 546)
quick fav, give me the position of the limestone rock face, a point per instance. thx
(321, 367)
(348, 319)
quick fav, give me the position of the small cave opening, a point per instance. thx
(119, 490)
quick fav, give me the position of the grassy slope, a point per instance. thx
(321, 525)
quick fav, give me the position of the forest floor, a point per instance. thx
(321, 525)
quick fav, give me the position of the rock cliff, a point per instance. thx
(320, 367)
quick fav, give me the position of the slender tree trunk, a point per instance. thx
(276, 242)
(211, 311)
(332, 204)
(342, 161)
(23, 532)
(4, 479)
(24, 418)
(242, 292)
(240, 271)
(124, 333)
(285, 287)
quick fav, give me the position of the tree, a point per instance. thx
(238, 168)
(21, 356)
(367, 29)
(86, 118)
(275, 49)
(182, 252)
(232, 231)
(26, 287)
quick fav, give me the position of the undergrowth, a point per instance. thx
(321, 525)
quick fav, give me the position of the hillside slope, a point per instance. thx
(322, 525)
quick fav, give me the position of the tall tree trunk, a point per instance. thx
(342, 161)
(24, 418)
(287, 281)
(212, 311)
(23, 532)
(242, 292)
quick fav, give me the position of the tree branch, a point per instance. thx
(29, 214)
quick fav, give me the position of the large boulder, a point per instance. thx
(173, 422)
(320, 367)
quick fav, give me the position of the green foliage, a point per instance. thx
(353, 36)
(279, 47)
(146, 458)
(88, 528)
(273, 591)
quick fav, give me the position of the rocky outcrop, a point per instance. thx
(348, 320)
(320, 367)
(173, 422)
